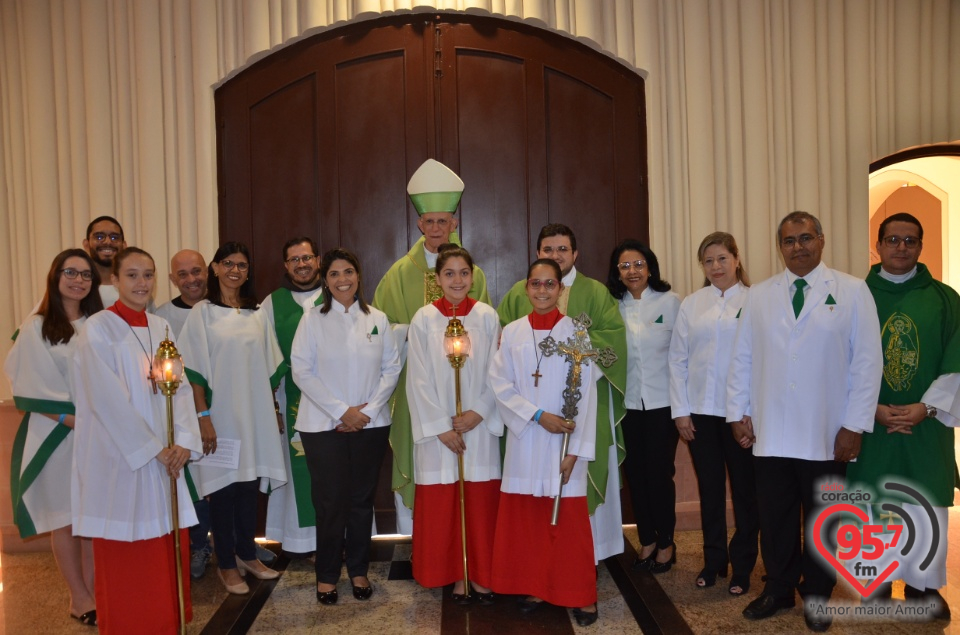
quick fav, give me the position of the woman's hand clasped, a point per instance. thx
(466, 422)
(353, 420)
(174, 458)
(453, 440)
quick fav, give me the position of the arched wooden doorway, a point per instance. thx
(320, 139)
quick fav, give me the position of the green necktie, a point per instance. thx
(798, 296)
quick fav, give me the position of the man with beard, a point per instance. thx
(410, 284)
(290, 517)
(581, 294)
(104, 241)
(918, 408)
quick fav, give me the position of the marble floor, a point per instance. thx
(33, 599)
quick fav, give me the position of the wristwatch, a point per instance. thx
(931, 411)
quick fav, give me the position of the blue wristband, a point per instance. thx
(62, 418)
(205, 413)
(536, 417)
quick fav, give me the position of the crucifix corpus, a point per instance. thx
(578, 352)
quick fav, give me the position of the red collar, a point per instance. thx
(128, 315)
(545, 322)
(447, 309)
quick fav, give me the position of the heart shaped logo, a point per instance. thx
(832, 559)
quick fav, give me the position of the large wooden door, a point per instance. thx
(320, 139)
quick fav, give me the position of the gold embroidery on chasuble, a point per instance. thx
(431, 288)
(901, 351)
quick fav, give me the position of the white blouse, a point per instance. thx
(701, 349)
(340, 359)
(649, 322)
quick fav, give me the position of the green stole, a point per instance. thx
(22, 479)
(287, 313)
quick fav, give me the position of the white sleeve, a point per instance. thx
(678, 361)
(944, 395)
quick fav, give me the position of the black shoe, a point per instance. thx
(644, 563)
(817, 623)
(87, 619)
(461, 598)
(528, 606)
(484, 599)
(766, 606)
(663, 567)
(586, 618)
(708, 577)
(362, 592)
(327, 597)
(929, 596)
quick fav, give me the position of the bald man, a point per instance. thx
(188, 272)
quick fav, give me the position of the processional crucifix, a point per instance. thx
(578, 352)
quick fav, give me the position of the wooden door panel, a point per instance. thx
(491, 130)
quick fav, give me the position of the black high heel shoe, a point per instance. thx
(663, 567)
(362, 592)
(708, 577)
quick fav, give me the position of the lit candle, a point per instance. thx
(167, 371)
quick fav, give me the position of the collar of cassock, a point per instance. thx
(546, 321)
(128, 315)
(447, 309)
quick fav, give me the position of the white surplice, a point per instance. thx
(39, 370)
(236, 354)
(532, 462)
(432, 395)
(119, 490)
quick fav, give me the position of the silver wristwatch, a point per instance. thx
(931, 411)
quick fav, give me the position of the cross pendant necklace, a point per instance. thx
(536, 374)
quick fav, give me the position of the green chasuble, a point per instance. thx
(920, 323)
(408, 286)
(590, 297)
(286, 314)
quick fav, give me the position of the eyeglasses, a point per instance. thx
(296, 260)
(549, 285)
(100, 237)
(439, 222)
(908, 241)
(562, 249)
(626, 266)
(803, 240)
(229, 264)
(73, 273)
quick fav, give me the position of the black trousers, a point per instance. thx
(651, 438)
(233, 522)
(715, 454)
(786, 486)
(344, 469)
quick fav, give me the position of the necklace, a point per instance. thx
(150, 377)
(536, 374)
